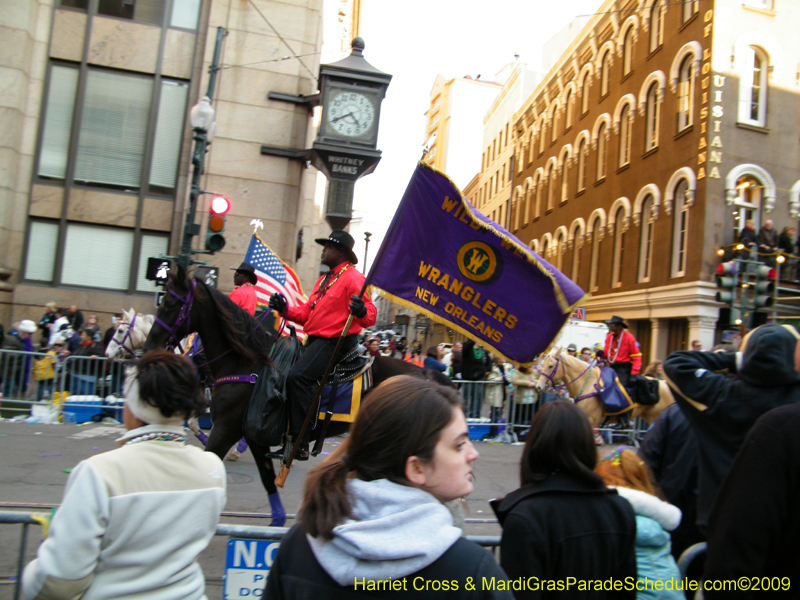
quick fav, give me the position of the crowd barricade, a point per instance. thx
(252, 532)
(48, 387)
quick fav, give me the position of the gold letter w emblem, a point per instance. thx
(476, 260)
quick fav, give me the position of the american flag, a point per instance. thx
(273, 277)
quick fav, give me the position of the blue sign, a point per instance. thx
(247, 565)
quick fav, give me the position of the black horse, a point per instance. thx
(235, 344)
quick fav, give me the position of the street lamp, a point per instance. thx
(367, 235)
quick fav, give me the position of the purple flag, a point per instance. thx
(444, 259)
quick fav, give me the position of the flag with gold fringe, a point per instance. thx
(444, 259)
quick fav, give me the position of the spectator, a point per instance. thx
(586, 355)
(375, 510)
(720, 409)
(572, 349)
(432, 360)
(767, 243)
(372, 347)
(60, 326)
(564, 522)
(655, 370)
(748, 237)
(116, 320)
(75, 318)
(84, 374)
(754, 526)
(670, 450)
(455, 360)
(524, 382)
(134, 520)
(475, 366)
(44, 373)
(47, 321)
(697, 346)
(655, 518)
(786, 244)
(16, 367)
(92, 328)
(495, 394)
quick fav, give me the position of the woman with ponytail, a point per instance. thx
(373, 515)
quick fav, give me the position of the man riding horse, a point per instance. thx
(334, 298)
(244, 291)
(622, 351)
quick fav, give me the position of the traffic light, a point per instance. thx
(765, 286)
(727, 275)
(215, 240)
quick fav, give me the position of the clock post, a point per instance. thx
(351, 92)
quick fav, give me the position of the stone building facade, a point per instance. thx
(97, 145)
(659, 130)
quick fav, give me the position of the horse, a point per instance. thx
(581, 378)
(236, 345)
(131, 333)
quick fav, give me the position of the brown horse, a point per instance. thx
(235, 344)
(580, 379)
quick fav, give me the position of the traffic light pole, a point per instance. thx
(190, 228)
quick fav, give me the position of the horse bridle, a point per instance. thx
(183, 316)
(128, 336)
(554, 372)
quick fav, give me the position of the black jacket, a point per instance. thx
(474, 369)
(755, 524)
(564, 528)
(721, 410)
(670, 449)
(296, 575)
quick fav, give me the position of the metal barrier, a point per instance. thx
(492, 542)
(41, 378)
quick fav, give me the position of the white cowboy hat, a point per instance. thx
(27, 326)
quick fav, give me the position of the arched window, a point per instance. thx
(680, 230)
(625, 137)
(688, 9)
(685, 93)
(564, 180)
(646, 243)
(569, 101)
(581, 165)
(576, 261)
(619, 249)
(542, 135)
(551, 185)
(753, 87)
(627, 52)
(555, 130)
(538, 191)
(605, 73)
(585, 93)
(602, 145)
(747, 203)
(595, 259)
(651, 119)
(656, 26)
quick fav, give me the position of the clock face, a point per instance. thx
(351, 114)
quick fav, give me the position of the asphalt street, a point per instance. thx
(36, 459)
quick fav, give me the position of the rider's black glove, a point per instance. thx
(277, 302)
(357, 308)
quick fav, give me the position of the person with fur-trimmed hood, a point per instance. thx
(722, 410)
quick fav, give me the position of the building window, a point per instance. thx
(555, 129)
(595, 259)
(753, 87)
(585, 93)
(651, 119)
(582, 165)
(605, 73)
(619, 249)
(538, 204)
(568, 106)
(688, 9)
(646, 244)
(747, 203)
(551, 185)
(41, 256)
(656, 26)
(542, 136)
(680, 231)
(602, 145)
(627, 52)
(685, 93)
(113, 133)
(576, 261)
(564, 179)
(625, 137)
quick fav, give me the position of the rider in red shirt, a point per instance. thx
(334, 298)
(244, 292)
(622, 351)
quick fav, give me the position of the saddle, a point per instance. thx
(618, 399)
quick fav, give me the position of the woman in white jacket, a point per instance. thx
(134, 520)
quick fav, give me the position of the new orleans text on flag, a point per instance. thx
(446, 260)
(274, 277)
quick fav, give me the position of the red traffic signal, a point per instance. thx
(220, 205)
(215, 239)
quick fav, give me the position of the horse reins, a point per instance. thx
(551, 377)
(128, 336)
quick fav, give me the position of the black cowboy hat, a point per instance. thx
(342, 239)
(615, 320)
(248, 271)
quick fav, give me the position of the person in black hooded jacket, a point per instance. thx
(721, 410)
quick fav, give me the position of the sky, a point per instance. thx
(414, 40)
